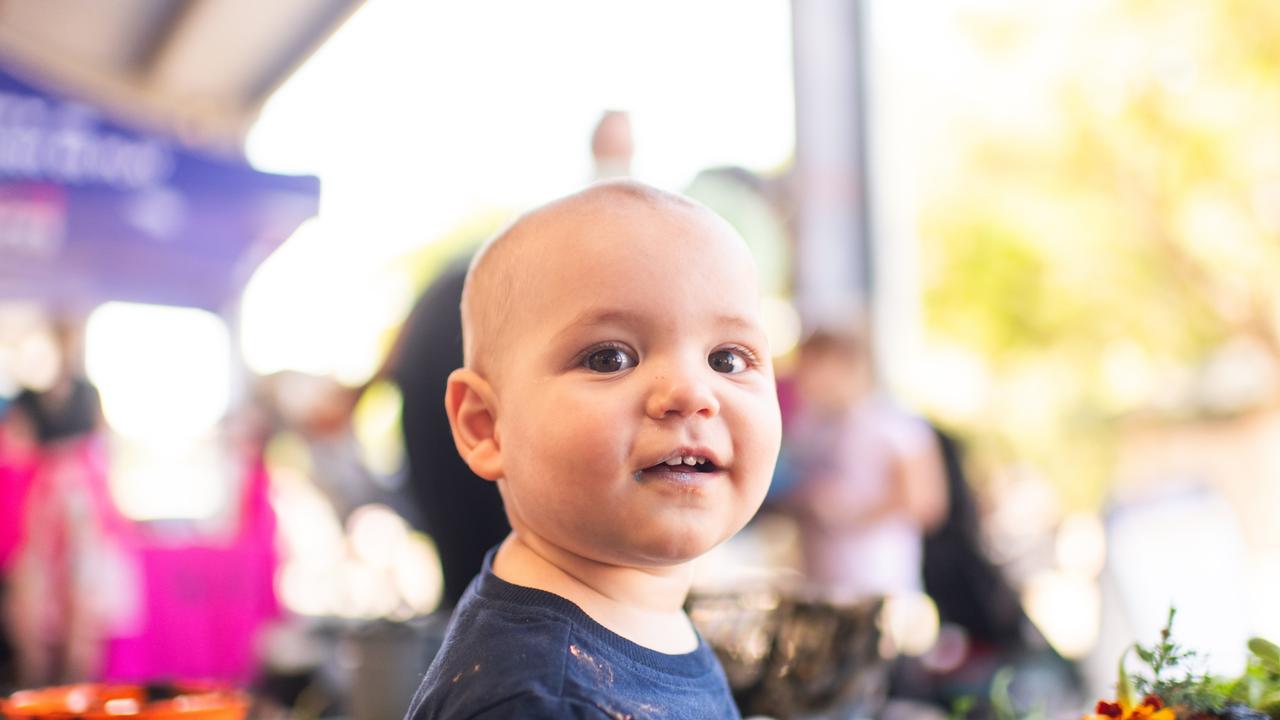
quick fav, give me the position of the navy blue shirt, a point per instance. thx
(517, 652)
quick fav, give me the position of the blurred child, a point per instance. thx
(617, 387)
(867, 479)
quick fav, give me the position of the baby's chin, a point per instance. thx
(667, 549)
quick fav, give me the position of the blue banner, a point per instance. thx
(91, 210)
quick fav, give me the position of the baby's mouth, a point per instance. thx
(685, 464)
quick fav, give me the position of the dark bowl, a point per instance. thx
(788, 652)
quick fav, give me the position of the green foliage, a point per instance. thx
(1003, 706)
(1259, 686)
(961, 708)
(1124, 684)
(1267, 655)
(1168, 675)
(1171, 679)
(992, 266)
(1129, 216)
(1166, 655)
(1167, 672)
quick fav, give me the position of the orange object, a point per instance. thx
(104, 702)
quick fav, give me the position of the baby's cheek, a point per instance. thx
(759, 425)
(757, 444)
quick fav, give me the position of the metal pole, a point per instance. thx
(834, 268)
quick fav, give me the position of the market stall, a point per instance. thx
(93, 211)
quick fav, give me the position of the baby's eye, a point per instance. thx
(608, 360)
(728, 362)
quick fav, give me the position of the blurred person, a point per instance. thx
(612, 146)
(984, 628)
(628, 431)
(74, 581)
(71, 583)
(71, 406)
(208, 585)
(970, 591)
(865, 480)
(95, 595)
(319, 410)
(19, 459)
(460, 511)
(751, 204)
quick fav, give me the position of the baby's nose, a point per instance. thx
(684, 395)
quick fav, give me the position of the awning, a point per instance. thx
(92, 211)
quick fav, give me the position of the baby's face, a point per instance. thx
(637, 350)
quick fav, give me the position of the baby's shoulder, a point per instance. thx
(494, 653)
(517, 643)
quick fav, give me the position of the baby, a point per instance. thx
(617, 386)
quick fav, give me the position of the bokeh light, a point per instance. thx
(163, 372)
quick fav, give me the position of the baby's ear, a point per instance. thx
(471, 405)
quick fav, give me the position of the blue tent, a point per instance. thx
(91, 210)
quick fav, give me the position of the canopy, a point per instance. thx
(92, 211)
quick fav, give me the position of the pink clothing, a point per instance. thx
(17, 471)
(204, 606)
(96, 598)
(204, 601)
(73, 575)
(844, 474)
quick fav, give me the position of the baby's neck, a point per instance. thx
(643, 605)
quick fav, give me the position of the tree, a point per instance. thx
(1116, 243)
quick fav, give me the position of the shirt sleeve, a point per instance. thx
(908, 434)
(532, 706)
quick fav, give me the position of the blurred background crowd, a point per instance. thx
(1021, 265)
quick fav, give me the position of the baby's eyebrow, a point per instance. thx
(737, 321)
(606, 316)
(597, 317)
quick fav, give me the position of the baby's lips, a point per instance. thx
(697, 451)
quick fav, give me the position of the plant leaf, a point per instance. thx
(1124, 686)
(1001, 703)
(1270, 701)
(1265, 650)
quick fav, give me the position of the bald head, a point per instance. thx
(505, 268)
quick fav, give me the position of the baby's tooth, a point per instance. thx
(690, 460)
(673, 461)
(702, 461)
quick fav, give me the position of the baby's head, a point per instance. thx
(618, 383)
